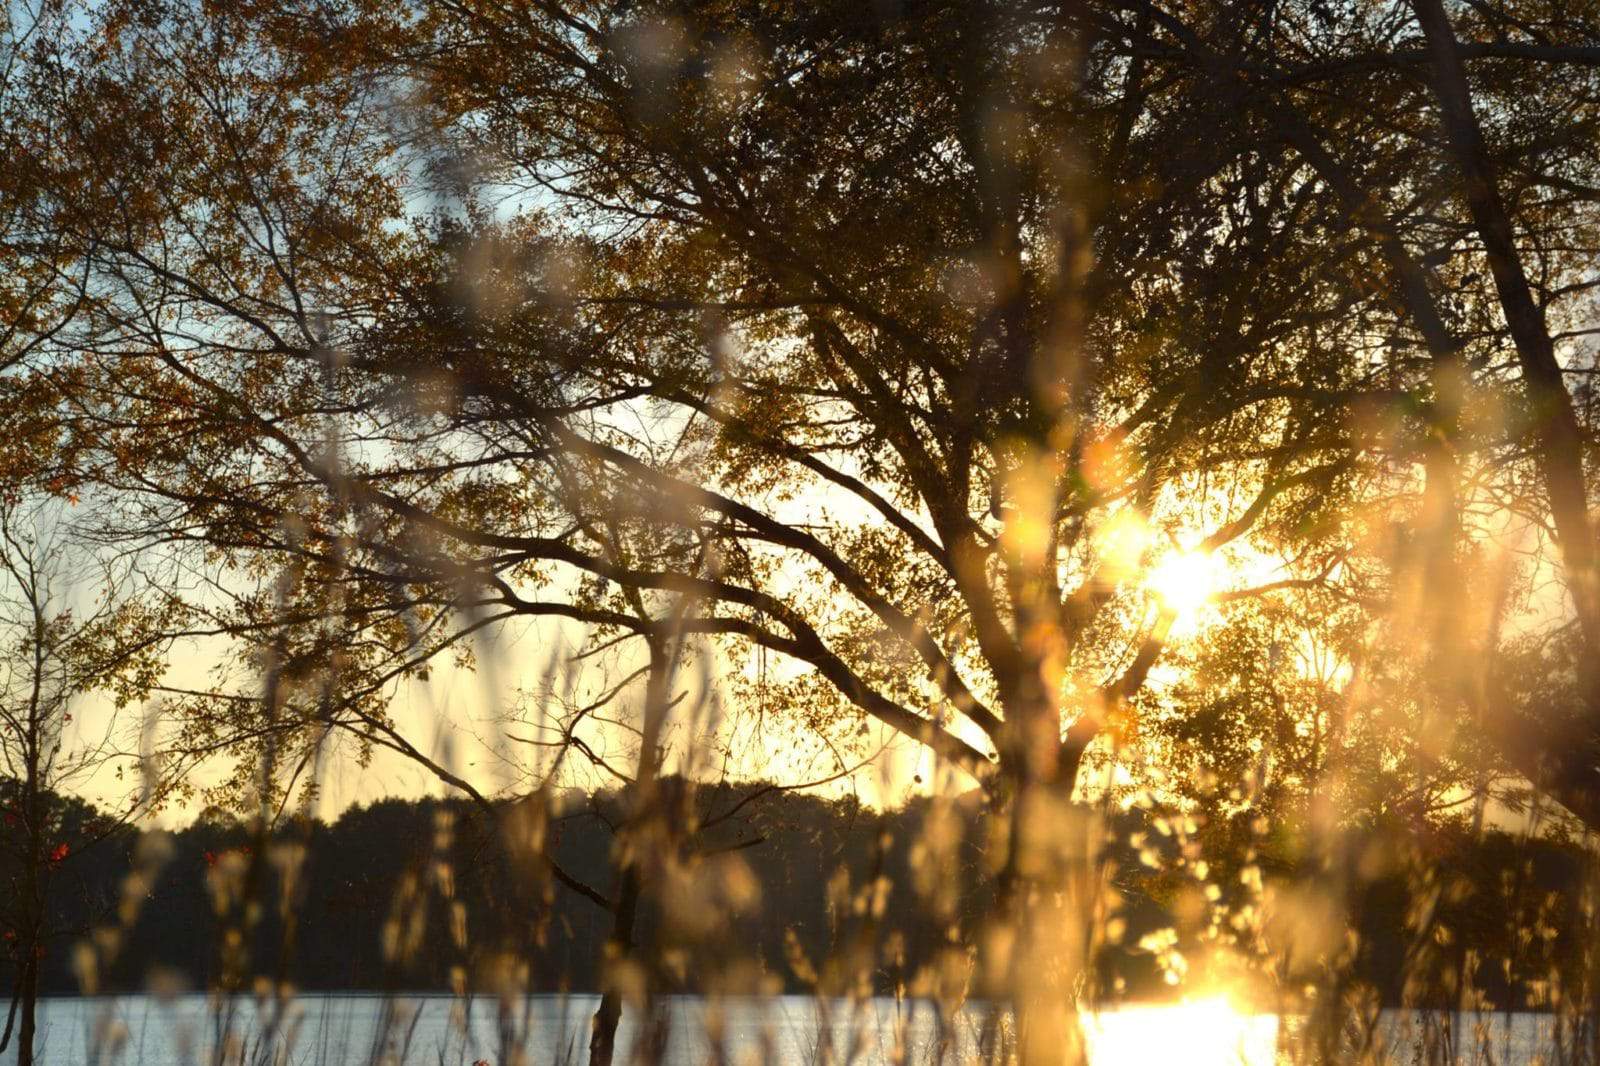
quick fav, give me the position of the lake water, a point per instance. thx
(369, 1030)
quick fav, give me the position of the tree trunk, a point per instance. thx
(1560, 761)
(33, 887)
(603, 1039)
(1042, 906)
(1560, 452)
(30, 1003)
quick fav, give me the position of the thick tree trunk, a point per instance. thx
(1041, 911)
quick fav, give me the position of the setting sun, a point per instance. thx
(1186, 581)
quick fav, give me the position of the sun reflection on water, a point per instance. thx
(1201, 1032)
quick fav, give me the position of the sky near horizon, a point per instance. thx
(475, 723)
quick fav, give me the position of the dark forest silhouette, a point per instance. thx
(807, 856)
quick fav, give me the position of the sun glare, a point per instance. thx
(1186, 581)
(1194, 1032)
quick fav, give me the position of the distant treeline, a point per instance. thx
(400, 868)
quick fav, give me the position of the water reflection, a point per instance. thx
(1208, 1032)
(360, 1030)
